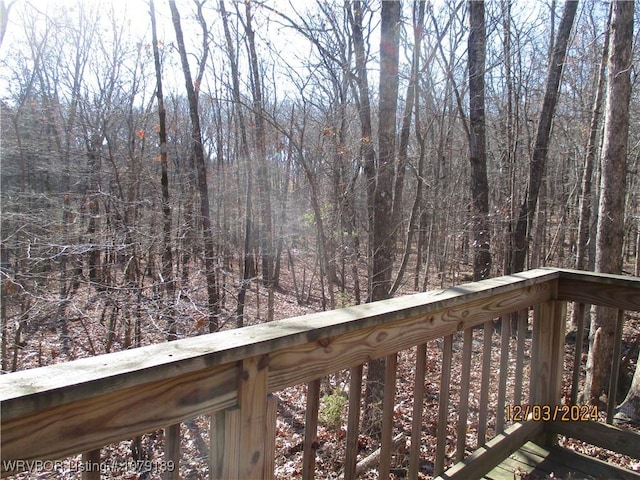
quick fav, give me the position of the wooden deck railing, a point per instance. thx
(234, 377)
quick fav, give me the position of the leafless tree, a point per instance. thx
(610, 232)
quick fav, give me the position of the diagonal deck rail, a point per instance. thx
(233, 376)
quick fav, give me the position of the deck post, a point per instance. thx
(549, 327)
(252, 398)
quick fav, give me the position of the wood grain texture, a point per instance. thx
(103, 419)
(303, 363)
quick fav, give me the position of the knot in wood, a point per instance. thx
(382, 336)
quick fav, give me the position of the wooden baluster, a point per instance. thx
(418, 408)
(463, 408)
(92, 460)
(577, 357)
(485, 383)
(535, 341)
(224, 448)
(353, 422)
(523, 330)
(615, 367)
(443, 407)
(505, 334)
(388, 404)
(172, 451)
(311, 430)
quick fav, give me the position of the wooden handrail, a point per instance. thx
(65, 409)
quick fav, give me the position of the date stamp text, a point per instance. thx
(551, 413)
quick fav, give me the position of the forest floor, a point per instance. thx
(42, 347)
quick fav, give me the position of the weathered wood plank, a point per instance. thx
(600, 434)
(487, 457)
(614, 291)
(94, 422)
(303, 363)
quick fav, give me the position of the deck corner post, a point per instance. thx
(253, 403)
(548, 351)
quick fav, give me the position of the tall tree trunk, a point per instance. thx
(244, 150)
(367, 150)
(263, 173)
(201, 170)
(383, 233)
(411, 99)
(524, 221)
(167, 254)
(589, 160)
(610, 231)
(477, 143)
(586, 203)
